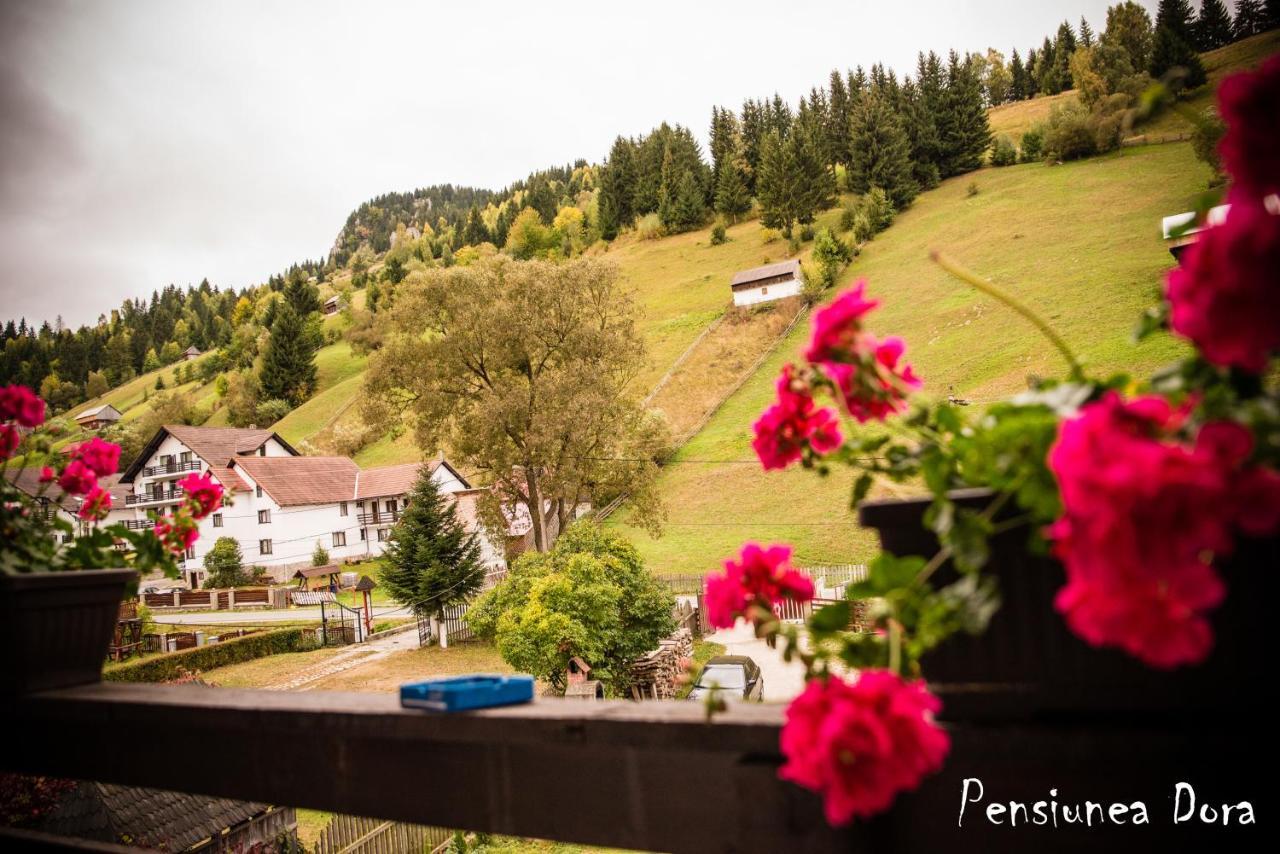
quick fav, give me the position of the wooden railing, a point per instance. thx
(171, 468)
(174, 494)
(385, 517)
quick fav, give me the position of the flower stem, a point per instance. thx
(995, 292)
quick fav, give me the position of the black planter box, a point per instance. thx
(55, 628)
(1029, 665)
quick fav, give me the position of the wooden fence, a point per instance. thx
(211, 599)
(346, 834)
(690, 617)
(835, 576)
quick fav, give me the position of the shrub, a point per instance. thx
(650, 227)
(320, 557)
(878, 207)
(769, 235)
(806, 233)
(830, 253)
(1208, 132)
(1033, 144)
(862, 231)
(793, 245)
(1002, 152)
(971, 190)
(270, 411)
(225, 564)
(847, 217)
(717, 234)
(1069, 134)
(173, 665)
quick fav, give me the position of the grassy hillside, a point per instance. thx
(1079, 242)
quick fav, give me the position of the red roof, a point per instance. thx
(303, 480)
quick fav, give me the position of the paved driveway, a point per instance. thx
(782, 681)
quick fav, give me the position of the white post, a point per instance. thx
(231, 598)
(444, 634)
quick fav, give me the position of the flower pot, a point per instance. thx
(1029, 665)
(55, 628)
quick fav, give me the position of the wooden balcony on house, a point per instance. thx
(166, 497)
(172, 469)
(385, 517)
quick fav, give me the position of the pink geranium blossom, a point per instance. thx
(859, 745)
(1224, 295)
(1142, 513)
(96, 505)
(77, 478)
(19, 403)
(203, 494)
(178, 532)
(10, 439)
(1247, 102)
(102, 457)
(838, 326)
(761, 576)
(793, 423)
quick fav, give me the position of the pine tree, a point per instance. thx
(731, 193)
(1018, 75)
(1213, 27)
(922, 134)
(881, 152)
(776, 183)
(1177, 16)
(1249, 18)
(617, 190)
(816, 182)
(963, 127)
(302, 295)
(838, 114)
(1173, 52)
(431, 562)
(476, 231)
(1270, 14)
(1086, 33)
(289, 366)
(1033, 82)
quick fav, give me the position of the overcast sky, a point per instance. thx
(143, 143)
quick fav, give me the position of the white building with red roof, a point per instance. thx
(280, 504)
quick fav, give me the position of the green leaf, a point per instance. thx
(860, 489)
(886, 573)
(832, 618)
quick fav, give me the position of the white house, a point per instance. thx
(47, 499)
(767, 283)
(98, 417)
(278, 504)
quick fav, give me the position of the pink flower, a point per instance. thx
(792, 424)
(1247, 102)
(760, 576)
(102, 457)
(48, 475)
(859, 745)
(203, 494)
(77, 478)
(837, 326)
(1142, 516)
(10, 439)
(178, 532)
(96, 505)
(1224, 296)
(21, 404)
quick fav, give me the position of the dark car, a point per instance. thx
(735, 676)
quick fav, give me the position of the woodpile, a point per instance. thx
(656, 674)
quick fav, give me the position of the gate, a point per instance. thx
(454, 620)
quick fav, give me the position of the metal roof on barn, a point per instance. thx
(768, 271)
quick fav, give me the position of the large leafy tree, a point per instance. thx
(590, 596)
(523, 369)
(1129, 27)
(431, 561)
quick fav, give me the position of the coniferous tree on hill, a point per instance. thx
(476, 231)
(1213, 26)
(617, 189)
(289, 365)
(1171, 52)
(1270, 14)
(963, 127)
(776, 183)
(881, 152)
(1250, 19)
(838, 116)
(431, 562)
(1086, 33)
(1177, 15)
(731, 193)
(1017, 78)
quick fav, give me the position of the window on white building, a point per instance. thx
(258, 491)
(264, 547)
(264, 517)
(391, 505)
(339, 538)
(364, 535)
(217, 520)
(383, 534)
(191, 553)
(262, 451)
(342, 508)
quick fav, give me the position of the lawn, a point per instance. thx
(1080, 243)
(388, 674)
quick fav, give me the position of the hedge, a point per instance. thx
(172, 665)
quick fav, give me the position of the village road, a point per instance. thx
(782, 681)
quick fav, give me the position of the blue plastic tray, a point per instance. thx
(460, 693)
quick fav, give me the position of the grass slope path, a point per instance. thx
(1080, 243)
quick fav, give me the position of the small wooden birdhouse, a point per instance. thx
(579, 671)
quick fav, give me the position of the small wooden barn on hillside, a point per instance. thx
(98, 417)
(765, 284)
